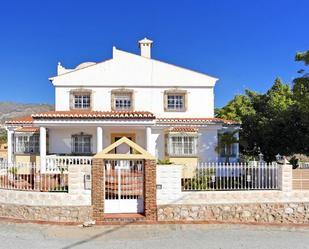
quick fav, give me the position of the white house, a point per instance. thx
(166, 109)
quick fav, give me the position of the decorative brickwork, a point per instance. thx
(150, 191)
(97, 192)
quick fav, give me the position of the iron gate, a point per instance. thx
(124, 186)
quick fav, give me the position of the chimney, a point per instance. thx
(145, 46)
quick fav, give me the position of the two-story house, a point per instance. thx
(166, 109)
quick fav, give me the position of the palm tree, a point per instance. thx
(225, 142)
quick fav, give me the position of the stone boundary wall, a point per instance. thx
(280, 213)
(74, 206)
(78, 214)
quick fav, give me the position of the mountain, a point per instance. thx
(9, 110)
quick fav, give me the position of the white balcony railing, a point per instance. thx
(56, 163)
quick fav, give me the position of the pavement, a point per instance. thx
(191, 236)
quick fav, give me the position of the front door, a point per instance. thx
(124, 186)
(123, 148)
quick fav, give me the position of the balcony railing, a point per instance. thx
(55, 163)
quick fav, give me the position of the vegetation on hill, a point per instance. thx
(274, 122)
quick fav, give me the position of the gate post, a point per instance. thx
(97, 189)
(150, 191)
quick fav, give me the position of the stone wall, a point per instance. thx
(78, 214)
(74, 206)
(296, 213)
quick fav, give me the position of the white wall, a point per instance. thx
(60, 139)
(200, 100)
(148, 78)
(207, 144)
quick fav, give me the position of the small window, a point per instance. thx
(175, 101)
(27, 143)
(81, 101)
(182, 145)
(81, 144)
(122, 100)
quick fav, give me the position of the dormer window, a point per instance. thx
(175, 100)
(122, 100)
(81, 99)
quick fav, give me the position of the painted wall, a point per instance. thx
(200, 101)
(148, 78)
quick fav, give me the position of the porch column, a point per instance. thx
(148, 138)
(10, 146)
(43, 149)
(99, 139)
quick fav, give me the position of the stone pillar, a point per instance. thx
(43, 149)
(285, 177)
(99, 139)
(10, 138)
(148, 139)
(97, 189)
(150, 199)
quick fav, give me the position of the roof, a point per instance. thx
(27, 129)
(195, 121)
(94, 115)
(183, 129)
(122, 115)
(20, 120)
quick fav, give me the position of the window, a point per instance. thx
(80, 99)
(27, 143)
(182, 145)
(225, 148)
(81, 144)
(122, 100)
(175, 100)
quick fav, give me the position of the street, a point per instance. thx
(14, 235)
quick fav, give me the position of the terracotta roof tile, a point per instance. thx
(21, 120)
(94, 115)
(195, 121)
(183, 129)
(27, 129)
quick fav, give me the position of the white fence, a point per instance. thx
(220, 177)
(27, 176)
(56, 163)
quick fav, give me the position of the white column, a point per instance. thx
(148, 139)
(99, 139)
(43, 149)
(10, 145)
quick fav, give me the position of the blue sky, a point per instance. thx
(244, 43)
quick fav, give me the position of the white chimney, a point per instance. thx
(145, 46)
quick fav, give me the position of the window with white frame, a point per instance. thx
(175, 100)
(182, 145)
(81, 143)
(27, 143)
(81, 101)
(122, 100)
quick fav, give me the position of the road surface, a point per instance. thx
(32, 236)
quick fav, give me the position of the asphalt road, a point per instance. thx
(152, 236)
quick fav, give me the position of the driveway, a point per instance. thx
(152, 236)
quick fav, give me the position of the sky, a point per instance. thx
(246, 44)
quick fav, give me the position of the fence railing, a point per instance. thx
(56, 163)
(220, 177)
(27, 176)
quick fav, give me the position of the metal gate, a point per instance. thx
(124, 186)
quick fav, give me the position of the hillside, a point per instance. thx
(9, 110)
